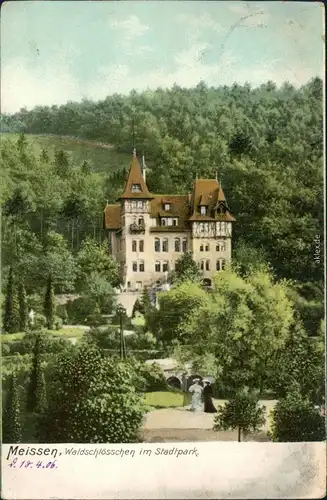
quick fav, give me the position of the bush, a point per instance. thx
(141, 340)
(39, 322)
(92, 399)
(35, 302)
(80, 309)
(61, 312)
(57, 324)
(294, 418)
(26, 345)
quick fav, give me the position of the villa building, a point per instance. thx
(149, 232)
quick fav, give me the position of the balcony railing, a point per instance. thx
(137, 228)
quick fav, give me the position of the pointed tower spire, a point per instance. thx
(143, 167)
(135, 186)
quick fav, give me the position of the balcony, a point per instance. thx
(137, 228)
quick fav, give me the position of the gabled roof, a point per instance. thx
(208, 192)
(135, 177)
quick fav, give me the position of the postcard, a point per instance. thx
(163, 249)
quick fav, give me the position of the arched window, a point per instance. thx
(184, 244)
(165, 245)
(208, 265)
(201, 248)
(223, 264)
(135, 267)
(218, 265)
(133, 246)
(165, 266)
(157, 244)
(141, 266)
(157, 267)
(177, 245)
(202, 265)
(207, 247)
(141, 245)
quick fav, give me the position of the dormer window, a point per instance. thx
(167, 207)
(136, 188)
(203, 210)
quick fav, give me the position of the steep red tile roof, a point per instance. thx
(135, 177)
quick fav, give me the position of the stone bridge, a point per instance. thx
(175, 376)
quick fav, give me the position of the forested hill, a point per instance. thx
(265, 143)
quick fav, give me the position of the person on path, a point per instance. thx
(196, 390)
(207, 398)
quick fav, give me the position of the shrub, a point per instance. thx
(78, 310)
(39, 322)
(241, 412)
(295, 418)
(141, 340)
(57, 323)
(105, 338)
(153, 376)
(93, 399)
(61, 312)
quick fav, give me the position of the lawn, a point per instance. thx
(70, 332)
(164, 399)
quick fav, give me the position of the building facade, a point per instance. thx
(149, 232)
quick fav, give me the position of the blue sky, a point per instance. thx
(56, 51)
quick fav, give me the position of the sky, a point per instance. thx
(53, 52)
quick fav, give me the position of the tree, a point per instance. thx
(11, 418)
(23, 312)
(301, 361)
(93, 399)
(49, 304)
(186, 269)
(295, 418)
(175, 308)
(241, 413)
(94, 258)
(36, 392)
(242, 323)
(11, 318)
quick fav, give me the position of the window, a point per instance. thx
(170, 221)
(141, 221)
(157, 267)
(134, 267)
(207, 247)
(201, 248)
(141, 266)
(141, 245)
(206, 226)
(201, 227)
(208, 265)
(167, 206)
(223, 264)
(138, 285)
(175, 221)
(136, 188)
(164, 221)
(202, 265)
(133, 246)
(203, 210)
(165, 245)
(177, 245)
(133, 204)
(165, 266)
(220, 247)
(140, 204)
(128, 284)
(157, 245)
(184, 245)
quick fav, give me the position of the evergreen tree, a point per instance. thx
(11, 419)
(23, 313)
(36, 393)
(49, 304)
(11, 318)
(44, 155)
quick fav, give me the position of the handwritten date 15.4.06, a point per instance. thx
(32, 464)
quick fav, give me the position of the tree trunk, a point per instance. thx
(72, 235)
(239, 434)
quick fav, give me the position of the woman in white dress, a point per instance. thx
(196, 391)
